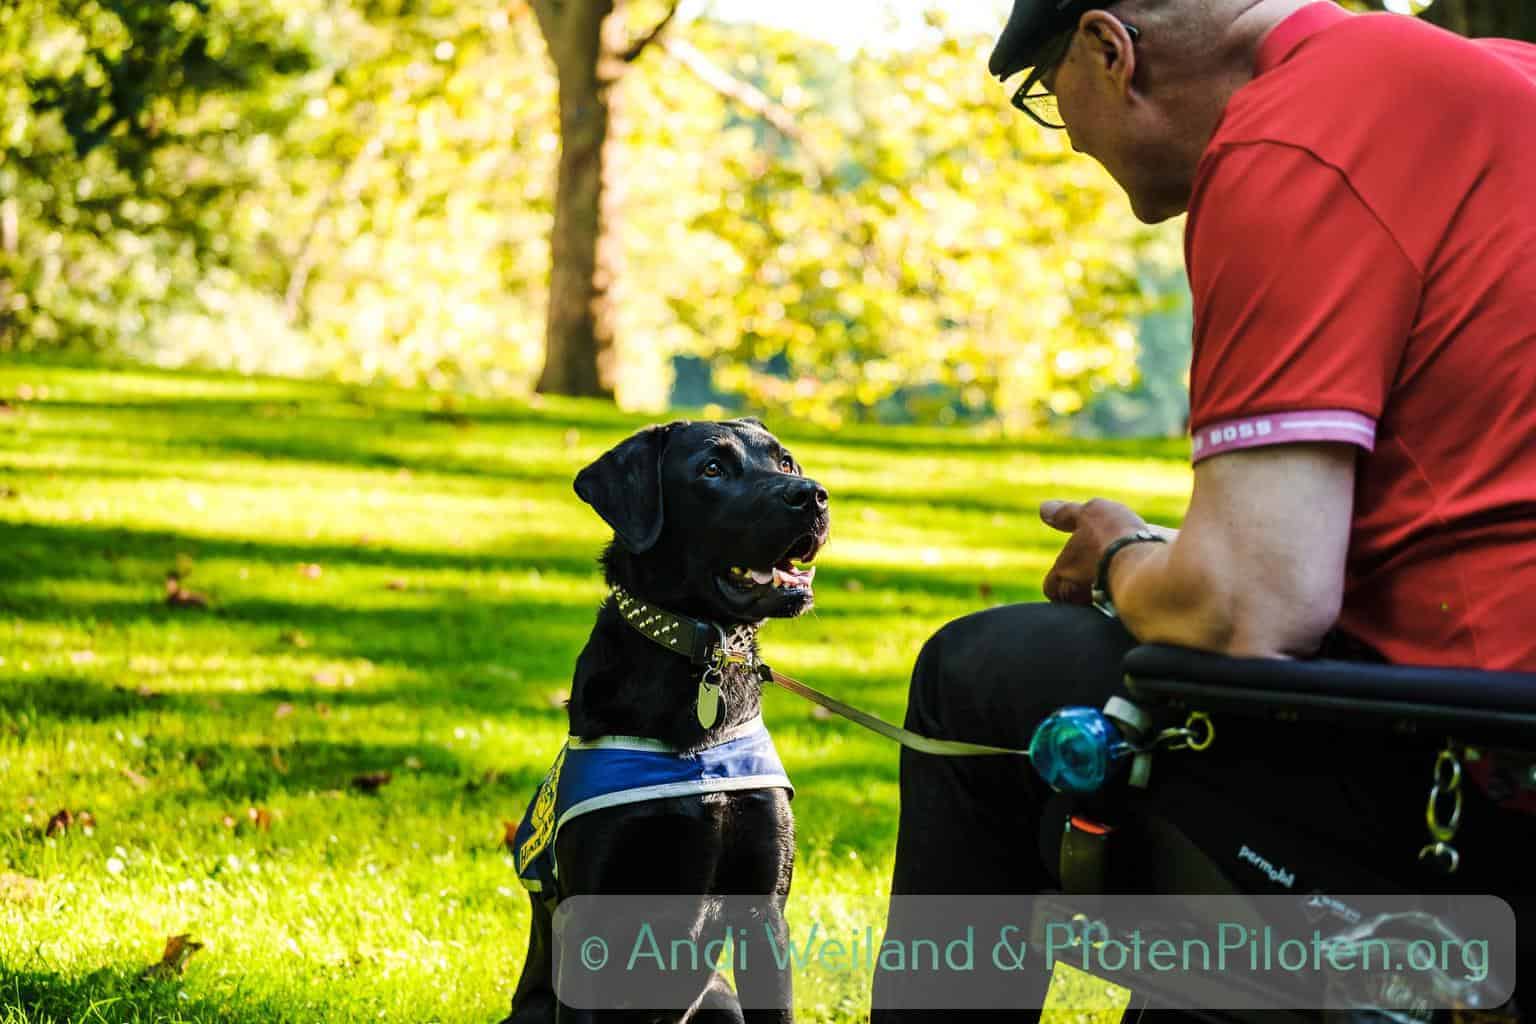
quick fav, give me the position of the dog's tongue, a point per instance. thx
(792, 577)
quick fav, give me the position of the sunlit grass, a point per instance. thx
(392, 586)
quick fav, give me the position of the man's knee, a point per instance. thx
(935, 682)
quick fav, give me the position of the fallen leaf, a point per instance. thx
(230, 822)
(985, 590)
(396, 585)
(173, 962)
(282, 711)
(146, 693)
(16, 888)
(86, 821)
(311, 570)
(260, 818)
(509, 840)
(9, 492)
(490, 778)
(178, 596)
(59, 824)
(295, 638)
(134, 777)
(371, 781)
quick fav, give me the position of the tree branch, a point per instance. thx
(749, 96)
(638, 47)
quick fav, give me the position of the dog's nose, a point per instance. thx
(801, 493)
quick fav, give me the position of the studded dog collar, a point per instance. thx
(703, 643)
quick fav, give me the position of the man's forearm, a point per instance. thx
(1163, 599)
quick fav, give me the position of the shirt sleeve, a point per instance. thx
(1303, 303)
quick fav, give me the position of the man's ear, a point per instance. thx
(624, 486)
(1110, 47)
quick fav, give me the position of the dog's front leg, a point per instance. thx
(767, 991)
(764, 862)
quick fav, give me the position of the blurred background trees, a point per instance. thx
(579, 196)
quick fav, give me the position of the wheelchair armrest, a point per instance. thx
(1474, 706)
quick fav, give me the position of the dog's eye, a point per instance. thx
(713, 469)
(787, 463)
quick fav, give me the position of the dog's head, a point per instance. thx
(716, 520)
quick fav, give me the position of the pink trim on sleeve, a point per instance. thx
(1285, 428)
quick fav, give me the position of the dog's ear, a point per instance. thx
(624, 486)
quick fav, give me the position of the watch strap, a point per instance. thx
(1101, 594)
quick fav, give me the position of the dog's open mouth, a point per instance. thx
(783, 575)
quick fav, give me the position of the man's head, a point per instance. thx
(1138, 84)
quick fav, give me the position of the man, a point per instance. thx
(1361, 247)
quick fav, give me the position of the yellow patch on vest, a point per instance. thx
(542, 821)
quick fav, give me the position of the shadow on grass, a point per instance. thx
(449, 628)
(357, 436)
(250, 770)
(54, 551)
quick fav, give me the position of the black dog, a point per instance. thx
(710, 521)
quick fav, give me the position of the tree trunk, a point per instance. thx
(1507, 19)
(585, 41)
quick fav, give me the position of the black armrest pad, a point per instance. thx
(1492, 705)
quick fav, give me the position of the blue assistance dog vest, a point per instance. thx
(589, 775)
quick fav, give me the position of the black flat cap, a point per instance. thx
(1030, 26)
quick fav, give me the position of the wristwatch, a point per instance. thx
(1101, 597)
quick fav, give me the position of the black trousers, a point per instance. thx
(973, 825)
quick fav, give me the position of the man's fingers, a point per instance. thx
(1061, 515)
(1064, 591)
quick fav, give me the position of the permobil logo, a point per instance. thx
(1279, 876)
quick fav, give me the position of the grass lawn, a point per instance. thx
(392, 588)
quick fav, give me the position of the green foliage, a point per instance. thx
(953, 251)
(362, 190)
(124, 130)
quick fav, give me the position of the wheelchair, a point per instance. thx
(1466, 728)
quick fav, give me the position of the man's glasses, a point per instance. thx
(1033, 97)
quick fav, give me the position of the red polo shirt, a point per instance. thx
(1361, 247)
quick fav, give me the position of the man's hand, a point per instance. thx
(1094, 525)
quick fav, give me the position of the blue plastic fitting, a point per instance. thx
(1076, 749)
